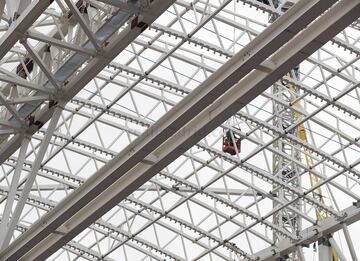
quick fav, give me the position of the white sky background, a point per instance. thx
(229, 33)
(318, 134)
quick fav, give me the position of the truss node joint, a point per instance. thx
(356, 204)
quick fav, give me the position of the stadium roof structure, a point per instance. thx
(116, 114)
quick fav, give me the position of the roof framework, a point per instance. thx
(81, 81)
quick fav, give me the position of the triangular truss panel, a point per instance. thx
(179, 130)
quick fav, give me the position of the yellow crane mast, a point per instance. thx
(317, 193)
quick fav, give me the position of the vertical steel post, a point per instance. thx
(324, 249)
(286, 169)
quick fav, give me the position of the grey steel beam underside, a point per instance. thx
(240, 114)
(99, 107)
(69, 68)
(226, 53)
(341, 106)
(273, 129)
(8, 149)
(48, 170)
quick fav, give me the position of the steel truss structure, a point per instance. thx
(112, 119)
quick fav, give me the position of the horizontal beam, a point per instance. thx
(219, 191)
(111, 183)
(188, 187)
(21, 82)
(309, 235)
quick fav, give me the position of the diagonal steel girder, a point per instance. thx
(309, 90)
(62, 218)
(10, 147)
(22, 24)
(230, 159)
(115, 45)
(190, 186)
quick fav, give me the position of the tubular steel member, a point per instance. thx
(90, 202)
(287, 170)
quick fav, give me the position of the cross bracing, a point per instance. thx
(206, 204)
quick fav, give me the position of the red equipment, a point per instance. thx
(228, 144)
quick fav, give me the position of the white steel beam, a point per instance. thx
(67, 217)
(13, 189)
(6, 235)
(325, 250)
(349, 242)
(22, 100)
(337, 249)
(83, 24)
(59, 43)
(117, 43)
(220, 191)
(131, 6)
(10, 108)
(44, 67)
(22, 24)
(21, 82)
(310, 235)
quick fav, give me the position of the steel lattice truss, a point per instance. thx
(82, 80)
